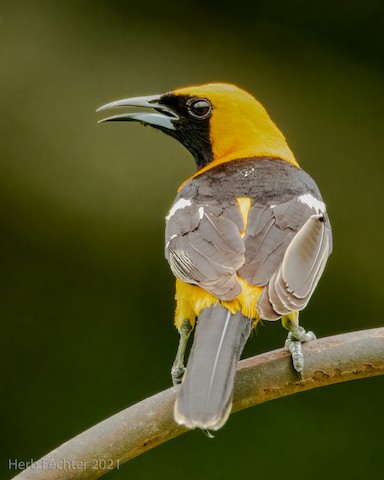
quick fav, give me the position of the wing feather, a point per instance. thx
(292, 284)
(211, 245)
(284, 248)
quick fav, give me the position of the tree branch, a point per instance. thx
(259, 379)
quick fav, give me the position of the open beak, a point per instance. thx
(163, 120)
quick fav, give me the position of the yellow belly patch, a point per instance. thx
(191, 300)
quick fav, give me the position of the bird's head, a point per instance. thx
(216, 122)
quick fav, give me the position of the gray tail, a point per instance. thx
(205, 397)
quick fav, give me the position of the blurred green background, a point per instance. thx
(86, 295)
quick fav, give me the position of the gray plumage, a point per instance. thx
(292, 284)
(284, 249)
(281, 250)
(205, 248)
(205, 396)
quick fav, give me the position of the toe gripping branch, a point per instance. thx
(296, 336)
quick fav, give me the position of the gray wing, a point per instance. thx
(284, 249)
(287, 247)
(204, 246)
(298, 267)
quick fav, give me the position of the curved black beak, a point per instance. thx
(164, 120)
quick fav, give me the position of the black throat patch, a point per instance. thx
(191, 132)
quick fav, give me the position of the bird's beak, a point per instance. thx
(163, 120)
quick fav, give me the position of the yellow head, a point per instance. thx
(239, 126)
(217, 122)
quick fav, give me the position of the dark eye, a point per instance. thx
(199, 108)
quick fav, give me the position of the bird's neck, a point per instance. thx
(253, 135)
(282, 152)
(277, 148)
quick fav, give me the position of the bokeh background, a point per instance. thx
(86, 295)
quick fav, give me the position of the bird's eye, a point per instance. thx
(199, 108)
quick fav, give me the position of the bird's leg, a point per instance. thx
(178, 368)
(296, 336)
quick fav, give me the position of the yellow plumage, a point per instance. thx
(285, 243)
(191, 300)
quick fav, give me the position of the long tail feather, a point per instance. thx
(205, 397)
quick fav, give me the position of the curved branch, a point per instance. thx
(259, 379)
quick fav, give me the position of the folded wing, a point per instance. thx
(204, 247)
(284, 249)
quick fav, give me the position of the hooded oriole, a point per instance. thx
(247, 238)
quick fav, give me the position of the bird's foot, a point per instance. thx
(296, 337)
(177, 373)
(178, 369)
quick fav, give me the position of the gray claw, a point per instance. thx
(177, 374)
(293, 344)
(294, 347)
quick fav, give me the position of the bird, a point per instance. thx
(247, 238)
